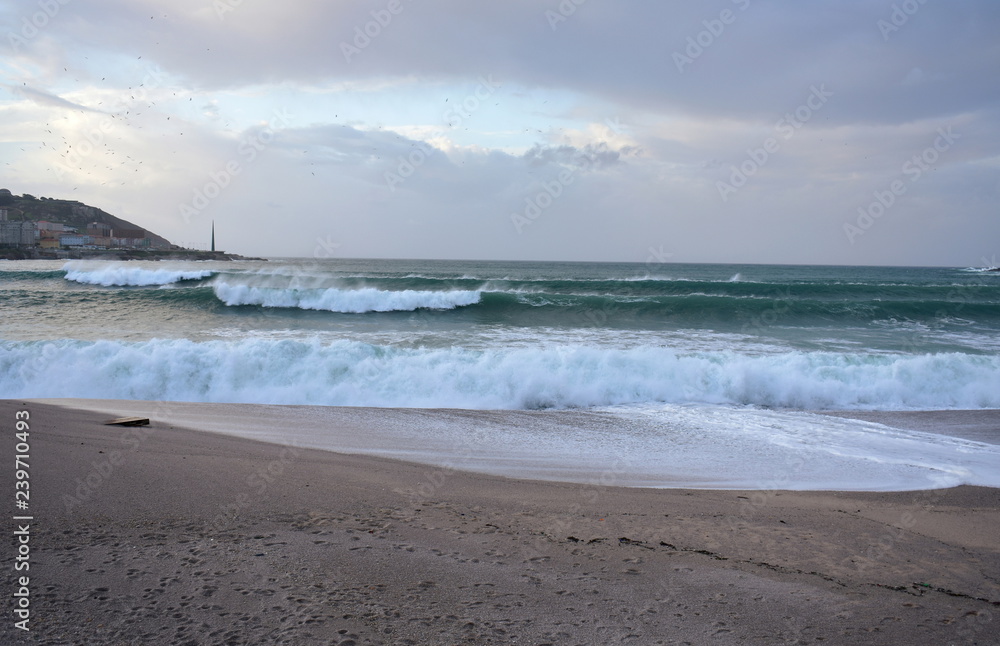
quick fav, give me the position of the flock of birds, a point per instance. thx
(104, 139)
(74, 154)
(91, 150)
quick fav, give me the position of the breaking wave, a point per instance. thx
(352, 301)
(123, 275)
(352, 373)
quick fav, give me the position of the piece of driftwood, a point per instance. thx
(128, 421)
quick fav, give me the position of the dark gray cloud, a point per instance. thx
(589, 157)
(659, 103)
(938, 61)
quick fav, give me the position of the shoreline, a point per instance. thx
(573, 445)
(981, 425)
(122, 255)
(163, 534)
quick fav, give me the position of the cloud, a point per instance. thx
(48, 100)
(392, 135)
(592, 156)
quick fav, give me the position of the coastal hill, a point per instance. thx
(68, 212)
(78, 217)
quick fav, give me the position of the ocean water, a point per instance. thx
(715, 356)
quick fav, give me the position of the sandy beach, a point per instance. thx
(169, 535)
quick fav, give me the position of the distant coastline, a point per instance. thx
(45, 228)
(34, 253)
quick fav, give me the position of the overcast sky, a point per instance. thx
(844, 132)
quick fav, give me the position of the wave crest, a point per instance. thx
(348, 301)
(119, 275)
(350, 373)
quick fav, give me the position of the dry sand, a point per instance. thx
(166, 535)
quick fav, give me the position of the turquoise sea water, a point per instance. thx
(679, 342)
(503, 335)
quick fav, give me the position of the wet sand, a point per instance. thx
(975, 425)
(165, 535)
(581, 445)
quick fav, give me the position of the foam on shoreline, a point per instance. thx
(669, 447)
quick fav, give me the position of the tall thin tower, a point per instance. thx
(213, 235)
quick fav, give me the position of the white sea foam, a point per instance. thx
(356, 301)
(699, 446)
(127, 275)
(352, 373)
